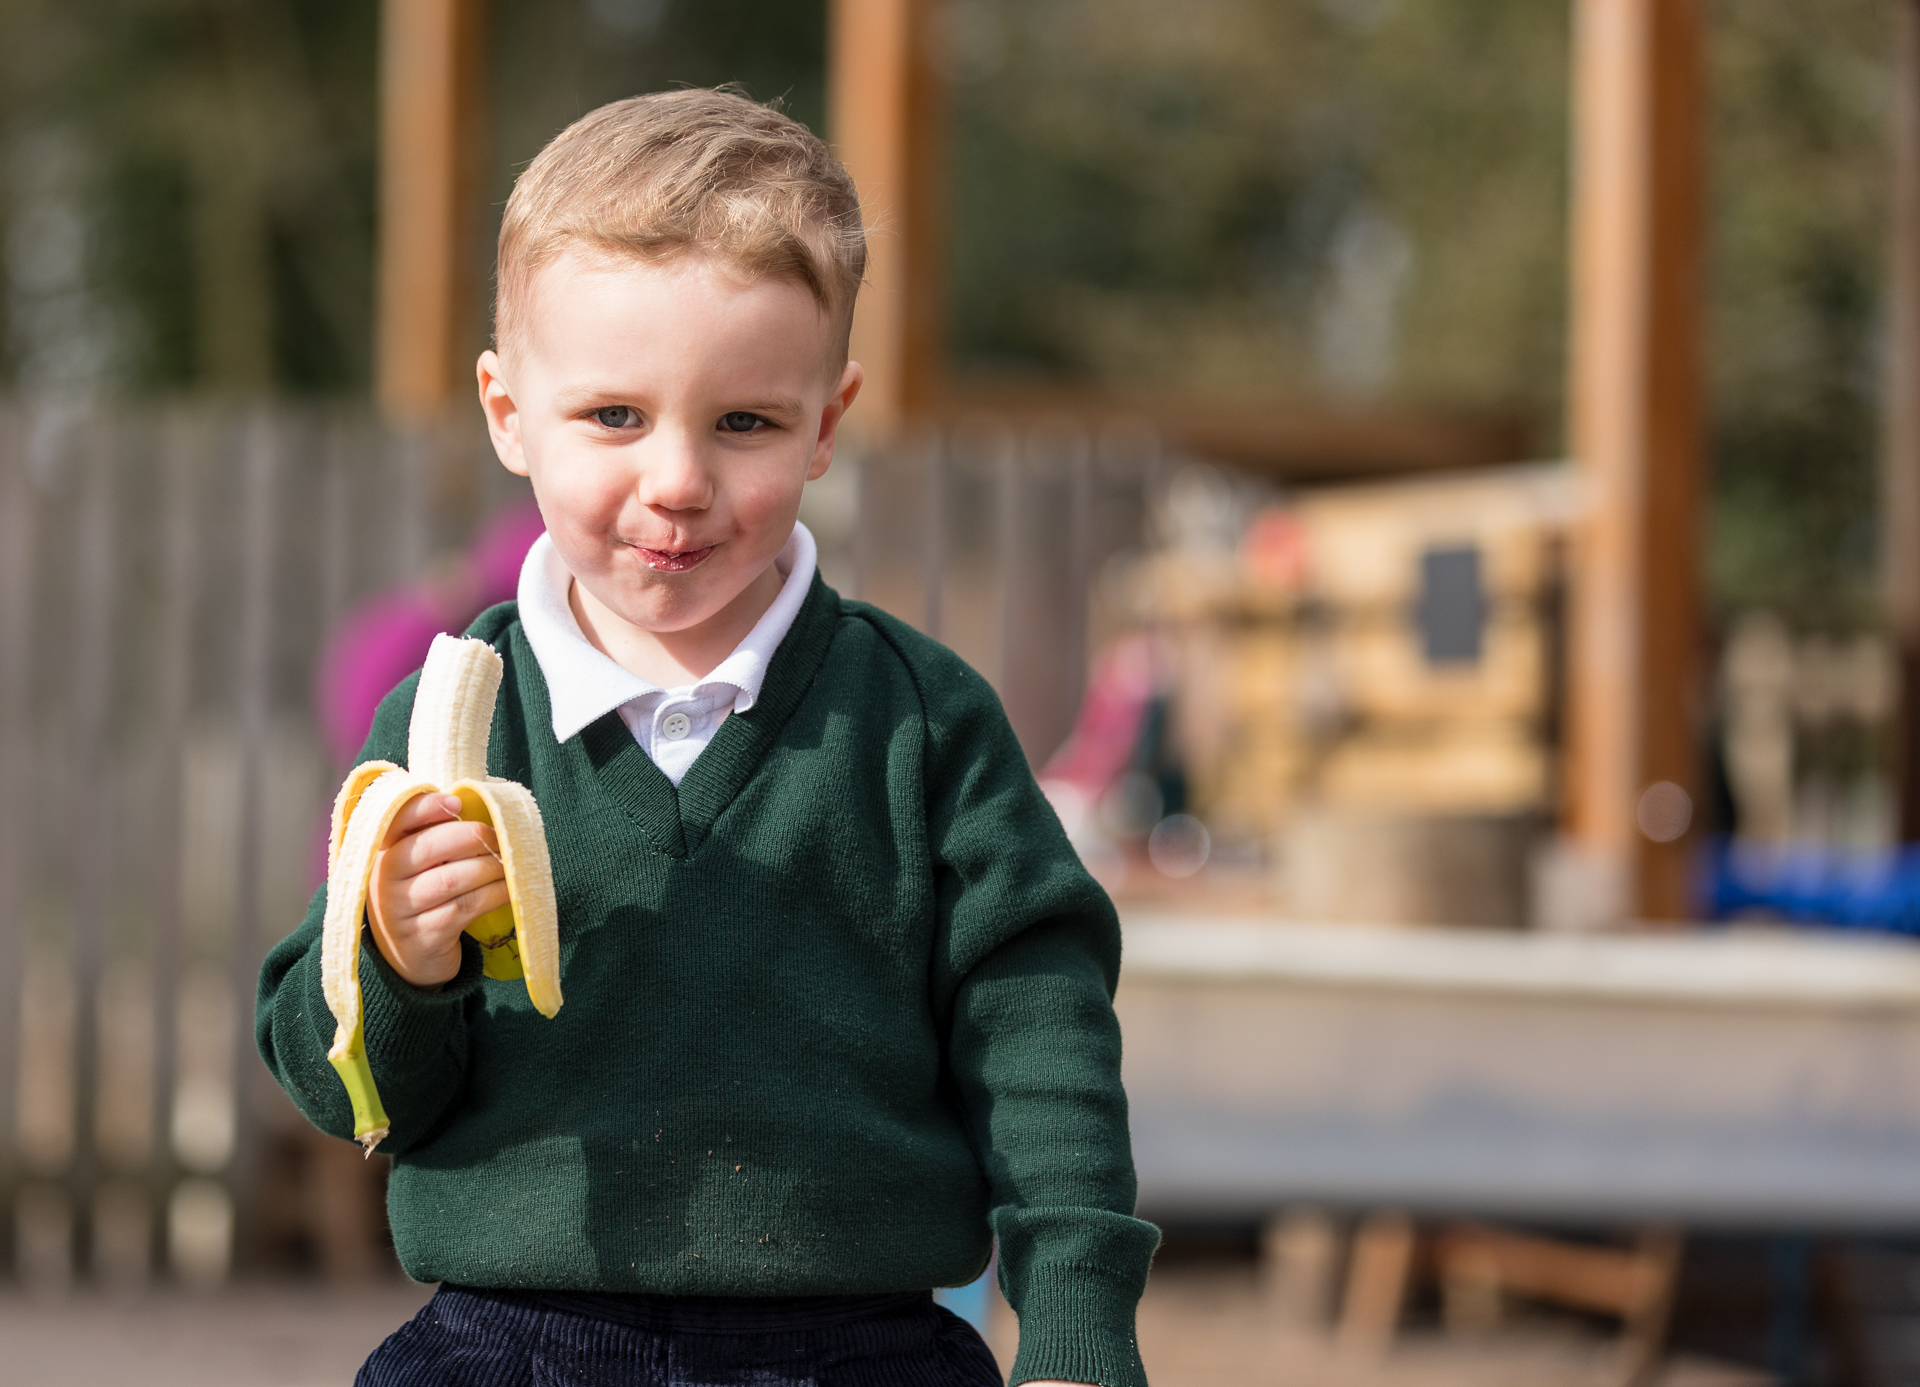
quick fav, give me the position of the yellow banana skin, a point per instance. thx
(446, 753)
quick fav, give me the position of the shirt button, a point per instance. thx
(675, 726)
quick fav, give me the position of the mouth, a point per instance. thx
(672, 560)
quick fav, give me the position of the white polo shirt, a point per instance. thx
(673, 726)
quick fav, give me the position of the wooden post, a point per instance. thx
(429, 108)
(883, 117)
(1900, 457)
(1636, 429)
(1377, 1275)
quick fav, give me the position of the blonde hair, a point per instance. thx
(671, 173)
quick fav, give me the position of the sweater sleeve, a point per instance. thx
(416, 1040)
(1030, 948)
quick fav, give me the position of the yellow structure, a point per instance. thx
(1384, 649)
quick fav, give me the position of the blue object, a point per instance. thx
(1812, 885)
(970, 1302)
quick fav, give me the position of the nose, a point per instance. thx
(673, 475)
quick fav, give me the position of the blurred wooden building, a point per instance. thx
(1369, 689)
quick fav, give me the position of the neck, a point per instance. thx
(671, 659)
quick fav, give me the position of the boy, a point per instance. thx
(838, 991)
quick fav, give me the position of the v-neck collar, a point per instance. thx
(678, 821)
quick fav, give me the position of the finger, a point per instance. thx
(433, 888)
(442, 842)
(420, 812)
(420, 957)
(452, 916)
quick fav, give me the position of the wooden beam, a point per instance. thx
(1900, 456)
(1609, 1280)
(1378, 1273)
(884, 105)
(429, 88)
(1636, 425)
(1280, 437)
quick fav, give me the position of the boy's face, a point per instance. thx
(668, 416)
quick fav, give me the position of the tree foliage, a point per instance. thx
(1801, 172)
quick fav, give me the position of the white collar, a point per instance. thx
(583, 684)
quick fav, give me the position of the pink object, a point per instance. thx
(500, 548)
(374, 647)
(385, 638)
(1275, 549)
(1123, 683)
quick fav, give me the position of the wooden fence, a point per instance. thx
(167, 579)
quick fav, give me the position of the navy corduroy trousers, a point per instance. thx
(481, 1338)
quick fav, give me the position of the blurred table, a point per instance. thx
(1740, 1078)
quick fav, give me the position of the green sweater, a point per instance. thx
(838, 1012)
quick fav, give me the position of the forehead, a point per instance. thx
(690, 305)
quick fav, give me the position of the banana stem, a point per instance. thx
(370, 1124)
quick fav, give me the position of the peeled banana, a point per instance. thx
(446, 754)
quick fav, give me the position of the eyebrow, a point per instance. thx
(578, 397)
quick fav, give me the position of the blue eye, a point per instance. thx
(740, 421)
(616, 417)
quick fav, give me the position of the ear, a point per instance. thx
(503, 416)
(830, 417)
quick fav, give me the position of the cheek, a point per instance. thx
(579, 515)
(763, 517)
(770, 492)
(583, 491)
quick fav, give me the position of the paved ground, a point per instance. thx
(1198, 1328)
(284, 1337)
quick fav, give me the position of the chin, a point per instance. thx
(666, 612)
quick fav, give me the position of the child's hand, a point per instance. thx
(438, 874)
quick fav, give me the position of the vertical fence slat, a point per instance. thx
(17, 589)
(260, 462)
(1080, 542)
(934, 551)
(184, 445)
(90, 833)
(1007, 498)
(413, 455)
(865, 485)
(336, 526)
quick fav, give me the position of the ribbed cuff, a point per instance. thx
(407, 1026)
(1077, 1325)
(1074, 1277)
